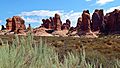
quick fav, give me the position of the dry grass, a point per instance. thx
(103, 50)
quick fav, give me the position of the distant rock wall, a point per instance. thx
(97, 24)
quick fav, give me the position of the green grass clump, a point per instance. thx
(25, 53)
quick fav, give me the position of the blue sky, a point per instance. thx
(32, 11)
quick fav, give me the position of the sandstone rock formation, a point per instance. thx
(85, 25)
(29, 28)
(44, 23)
(79, 21)
(61, 33)
(96, 20)
(57, 22)
(9, 24)
(102, 23)
(15, 24)
(72, 31)
(112, 21)
(48, 24)
(66, 26)
(68, 23)
(19, 25)
(52, 22)
(41, 32)
(2, 27)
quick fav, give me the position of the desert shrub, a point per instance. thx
(25, 53)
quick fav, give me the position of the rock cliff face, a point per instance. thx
(96, 20)
(85, 25)
(54, 23)
(9, 24)
(16, 24)
(79, 22)
(99, 23)
(66, 26)
(57, 22)
(110, 23)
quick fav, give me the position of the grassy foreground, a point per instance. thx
(25, 53)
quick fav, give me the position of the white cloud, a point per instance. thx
(102, 2)
(87, 0)
(30, 20)
(112, 9)
(0, 21)
(38, 15)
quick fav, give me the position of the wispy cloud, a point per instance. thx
(0, 21)
(35, 17)
(30, 20)
(88, 0)
(38, 15)
(102, 2)
(112, 9)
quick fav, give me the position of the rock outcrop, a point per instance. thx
(99, 24)
(57, 22)
(85, 25)
(16, 24)
(79, 22)
(66, 26)
(96, 21)
(29, 28)
(112, 21)
(54, 23)
(9, 24)
(41, 32)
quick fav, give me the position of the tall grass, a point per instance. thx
(26, 53)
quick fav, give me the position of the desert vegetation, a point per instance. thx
(26, 52)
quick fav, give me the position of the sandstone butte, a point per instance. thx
(86, 26)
